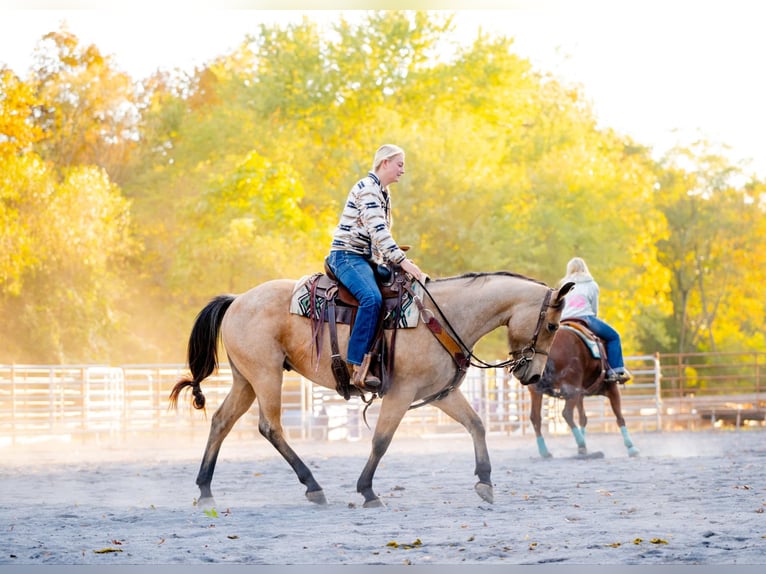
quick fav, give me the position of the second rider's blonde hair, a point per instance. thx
(577, 270)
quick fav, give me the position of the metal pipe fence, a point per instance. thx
(95, 401)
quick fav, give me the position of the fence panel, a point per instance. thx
(92, 401)
(714, 389)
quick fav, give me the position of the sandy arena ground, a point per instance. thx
(688, 499)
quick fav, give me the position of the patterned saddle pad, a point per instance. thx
(300, 304)
(587, 336)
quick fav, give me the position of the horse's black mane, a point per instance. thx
(475, 276)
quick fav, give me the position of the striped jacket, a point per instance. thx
(365, 224)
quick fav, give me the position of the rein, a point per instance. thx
(459, 351)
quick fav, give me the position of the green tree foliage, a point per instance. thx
(62, 304)
(247, 228)
(17, 103)
(64, 232)
(17, 133)
(712, 251)
(236, 173)
(87, 107)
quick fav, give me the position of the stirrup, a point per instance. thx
(369, 383)
(361, 377)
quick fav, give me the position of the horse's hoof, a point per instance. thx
(373, 503)
(633, 451)
(546, 455)
(592, 455)
(582, 451)
(485, 491)
(316, 496)
(207, 503)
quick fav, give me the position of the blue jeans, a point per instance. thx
(611, 340)
(355, 272)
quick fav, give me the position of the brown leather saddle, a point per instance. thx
(332, 303)
(593, 343)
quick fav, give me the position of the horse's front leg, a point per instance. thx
(536, 418)
(457, 406)
(568, 415)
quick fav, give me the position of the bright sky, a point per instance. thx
(662, 71)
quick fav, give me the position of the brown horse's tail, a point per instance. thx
(203, 349)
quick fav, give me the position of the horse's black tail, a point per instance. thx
(203, 349)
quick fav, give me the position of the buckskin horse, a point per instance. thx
(575, 369)
(262, 339)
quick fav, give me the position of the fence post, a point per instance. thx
(13, 404)
(658, 389)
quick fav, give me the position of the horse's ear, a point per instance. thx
(565, 288)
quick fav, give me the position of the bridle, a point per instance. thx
(526, 354)
(465, 357)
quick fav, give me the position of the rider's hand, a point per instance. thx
(413, 270)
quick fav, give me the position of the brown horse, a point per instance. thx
(571, 373)
(262, 339)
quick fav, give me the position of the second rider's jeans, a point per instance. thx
(611, 340)
(355, 272)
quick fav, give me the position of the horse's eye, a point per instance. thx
(553, 327)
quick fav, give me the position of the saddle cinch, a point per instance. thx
(324, 299)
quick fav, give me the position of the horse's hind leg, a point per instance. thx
(568, 415)
(613, 392)
(581, 414)
(236, 403)
(457, 406)
(270, 426)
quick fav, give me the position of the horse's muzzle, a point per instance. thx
(531, 381)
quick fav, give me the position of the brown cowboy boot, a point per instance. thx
(362, 379)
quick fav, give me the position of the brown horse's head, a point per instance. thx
(530, 334)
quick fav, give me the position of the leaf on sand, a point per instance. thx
(658, 541)
(638, 540)
(615, 544)
(232, 537)
(415, 544)
(107, 550)
(212, 513)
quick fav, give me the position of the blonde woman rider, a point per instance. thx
(362, 237)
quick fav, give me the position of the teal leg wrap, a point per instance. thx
(579, 437)
(542, 448)
(632, 450)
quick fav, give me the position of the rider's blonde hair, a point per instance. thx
(577, 265)
(577, 269)
(386, 151)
